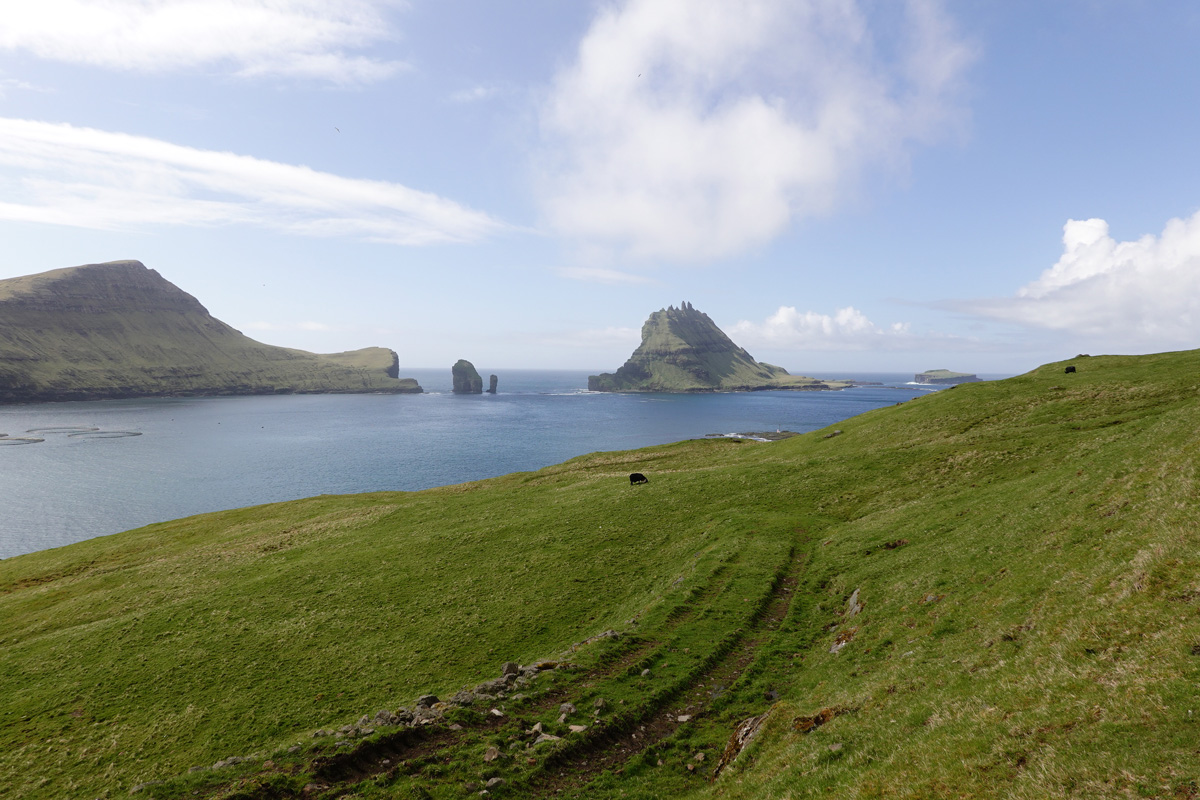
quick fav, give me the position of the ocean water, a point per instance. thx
(108, 466)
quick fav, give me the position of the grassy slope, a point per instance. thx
(119, 329)
(1050, 518)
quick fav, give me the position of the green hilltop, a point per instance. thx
(989, 591)
(683, 350)
(119, 329)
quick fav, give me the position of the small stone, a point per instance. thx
(600, 704)
(536, 728)
(494, 782)
(495, 712)
(546, 737)
(454, 726)
(684, 718)
(853, 607)
(567, 708)
(562, 718)
(510, 668)
(491, 754)
(294, 748)
(578, 728)
(646, 673)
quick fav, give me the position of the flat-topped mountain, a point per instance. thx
(683, 350)
(944, 377)
(119, 329)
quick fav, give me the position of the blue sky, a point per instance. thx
(874, 186)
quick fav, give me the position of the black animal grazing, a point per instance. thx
(638, 477)
(1069, 370)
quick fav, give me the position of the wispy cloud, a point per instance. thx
(1142, 293)
(8, 84)
(695, 129)
(474, 94)
(64, 175)
(602, 275)
(319, 39)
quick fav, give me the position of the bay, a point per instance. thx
(108, 466)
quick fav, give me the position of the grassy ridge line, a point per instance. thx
(1055, 535)
(121, 330)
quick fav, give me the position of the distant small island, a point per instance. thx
(944, 377)
(119, 329)
(683, 350)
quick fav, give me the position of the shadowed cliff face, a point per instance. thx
(683, 350)
(121, 330)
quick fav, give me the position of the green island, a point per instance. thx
(944, 377)
(989, 591)
(683, 350)
(119, 329)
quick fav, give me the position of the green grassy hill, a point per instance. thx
(991, 591)
(683, 350)
(120, 330)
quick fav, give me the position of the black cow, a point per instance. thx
(1069, 370)
(638, 477)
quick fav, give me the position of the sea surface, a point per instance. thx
(106, 466)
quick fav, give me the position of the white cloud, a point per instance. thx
(602, 275)
(1144, 292)
(7, 84)
(474, 94)
(846, 329)
(694, 129)
(80, 177)
(298, 38)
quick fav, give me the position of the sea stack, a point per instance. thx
(683, 350)
(492, 381)
(466, 378)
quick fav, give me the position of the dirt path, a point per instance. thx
(693, 702)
